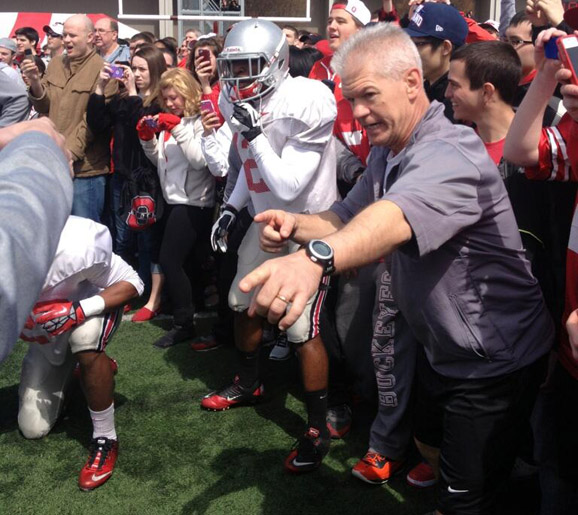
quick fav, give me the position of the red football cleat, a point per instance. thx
(100, 463)
(308, 452)
(232, 395)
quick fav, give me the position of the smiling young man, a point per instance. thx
(345, 19)
(432, 203)
(26, 39)
(62, 94)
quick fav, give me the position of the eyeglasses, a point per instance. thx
(102, 31)
(421, 43)
(515, 42)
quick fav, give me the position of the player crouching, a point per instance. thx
(78, 311)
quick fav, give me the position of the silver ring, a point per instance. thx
(281, 297)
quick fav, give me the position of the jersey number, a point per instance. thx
(258, 187)
(248, 166)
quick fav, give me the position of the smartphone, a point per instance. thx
(568, 52)
(207, 105)
(205, 54)
(152, 123)
(28, 54)
(116, 72)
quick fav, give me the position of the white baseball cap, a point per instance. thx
(54, 29)
(356, 8)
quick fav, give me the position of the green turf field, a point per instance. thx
(175, 458)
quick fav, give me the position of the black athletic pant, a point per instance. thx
(185, 228)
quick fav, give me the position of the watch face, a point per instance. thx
(321, 248)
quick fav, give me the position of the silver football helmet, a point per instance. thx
(254, 62)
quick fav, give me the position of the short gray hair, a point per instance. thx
(390, 49)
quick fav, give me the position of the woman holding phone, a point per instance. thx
(172, 141)
(203, 66)
(138, 98)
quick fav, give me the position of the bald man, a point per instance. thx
(63, 95)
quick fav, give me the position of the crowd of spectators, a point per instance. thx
(414, 173)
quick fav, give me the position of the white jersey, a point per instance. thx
(292, 166)
(83, 266)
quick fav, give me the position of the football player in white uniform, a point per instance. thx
(282, 131)
(79, 308)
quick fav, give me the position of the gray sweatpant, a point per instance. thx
(393, 349)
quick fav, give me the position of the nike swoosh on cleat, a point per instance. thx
(302, 463)
(454, 491)
(102, 476)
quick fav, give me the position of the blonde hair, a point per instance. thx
(185, 85)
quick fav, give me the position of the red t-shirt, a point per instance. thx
(496, 150)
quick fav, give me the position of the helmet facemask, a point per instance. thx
(247, 77)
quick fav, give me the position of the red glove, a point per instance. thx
(167, 121)
(145, 131)
(34, 333)
(57, 317)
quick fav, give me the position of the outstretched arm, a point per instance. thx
(375, 232)
(521, 146)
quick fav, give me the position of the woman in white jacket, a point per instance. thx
(172, 141)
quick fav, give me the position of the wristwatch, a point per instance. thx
(321, 253)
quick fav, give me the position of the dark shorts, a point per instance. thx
(476, 424)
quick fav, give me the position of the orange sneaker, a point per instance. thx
(422, 475)
(376, 469)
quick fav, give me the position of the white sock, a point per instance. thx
(103, 423)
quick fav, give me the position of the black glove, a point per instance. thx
(245, 119)
(221, 229)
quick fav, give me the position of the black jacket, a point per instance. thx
(121, 114)
(437, 91)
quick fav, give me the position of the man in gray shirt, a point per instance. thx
(432, 201)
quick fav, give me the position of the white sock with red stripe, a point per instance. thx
(103, 423)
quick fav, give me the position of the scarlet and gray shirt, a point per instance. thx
(462, 283)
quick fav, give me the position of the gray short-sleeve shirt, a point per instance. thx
(462, 283)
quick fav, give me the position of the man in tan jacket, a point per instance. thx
(63, 95)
